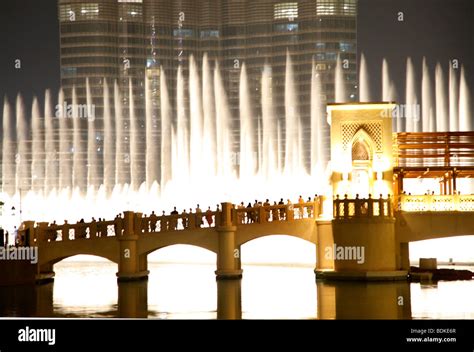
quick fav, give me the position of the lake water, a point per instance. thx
(190, 291)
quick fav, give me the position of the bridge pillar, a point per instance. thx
(228, 255)
(404, 256)
(364, 249)
(28, 227)
(324, 239)
(129, 260)
(44, 273)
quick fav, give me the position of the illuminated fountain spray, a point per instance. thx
(55, 163)
(364, 89)
(269, 126)
(247, 128)
(465, 120)
(453, 100)
(442, 115)
(292, 152)
(340, 87)
(427, 112)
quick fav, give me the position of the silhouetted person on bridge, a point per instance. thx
(65, 231)
(198, 216)
(184, 219)
(255, 212)
(174, 219)
(267, 210)
(81, 229)
(93, 228)
(209, 218)
(275, 212)
(102, 228)
(300, 207)
(250, 217)
(309, 209)
(118, 225)
(153, 221)
(282, 210)
(240, 214)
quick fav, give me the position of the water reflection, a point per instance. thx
(229, 299)
(133, 299)
(259, 295)
(362, 300)
(26, 301)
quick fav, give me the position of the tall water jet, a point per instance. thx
(465, 123)
(181, 161)
(339, 82)
(442, 115)
(386, 82)
(209, 111)
(269, 147)
(196, 121)
(247, 128)
(152, 154)
(453, 99)
(122, 159)
(65, 162)
(166, 131)
(23, 168)
(428, 123)
(259, 145)
(413, 123)
(37, 158)
(292, 152)
(389, 91)
(51, 147)
(109, 143)
(93, 178)
(8, 151)
(319, 127)
(135, 168)
(78, 159)
(279, 148)
(364, 81)
(223, 134)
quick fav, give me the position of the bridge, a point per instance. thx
(367, 159)
(129, 239)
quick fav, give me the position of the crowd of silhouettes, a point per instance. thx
(278, 211)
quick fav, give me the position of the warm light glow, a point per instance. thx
(360, 106)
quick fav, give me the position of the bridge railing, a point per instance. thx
(274, 213)
(420, 203)
(345, 208)
(45, 232)
(180, 222)
(70, 232)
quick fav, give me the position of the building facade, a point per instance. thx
(133, 40)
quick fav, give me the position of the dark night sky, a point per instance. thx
(438, 29)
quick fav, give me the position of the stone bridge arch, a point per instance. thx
(302, 229)
(201, 238)
(107, 248)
